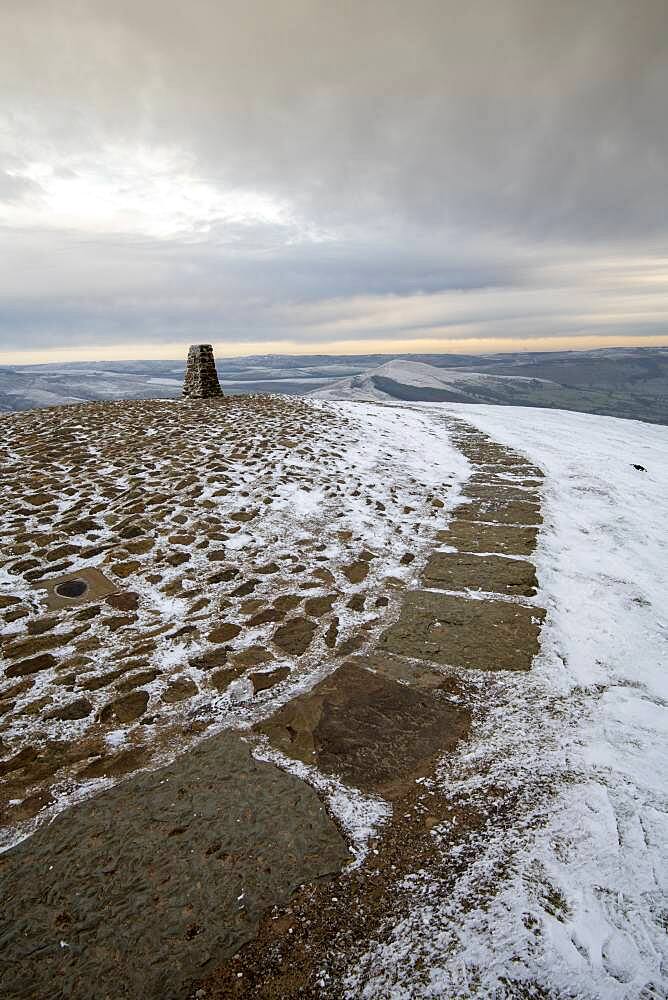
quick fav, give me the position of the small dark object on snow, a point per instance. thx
(640, 468)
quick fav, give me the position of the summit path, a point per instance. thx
(297, 656)
(390, 723)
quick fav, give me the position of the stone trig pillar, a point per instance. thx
(201, 381)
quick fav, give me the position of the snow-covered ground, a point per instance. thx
(365, 387)
(573, 891)
(579, 902)
(362, 479)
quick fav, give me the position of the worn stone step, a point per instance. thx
(369, 730)
(508, 539)
(460, 632)
(494, 574)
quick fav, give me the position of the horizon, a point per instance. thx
(467, 180)
(306, 353)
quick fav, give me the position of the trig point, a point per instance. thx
(201, 381)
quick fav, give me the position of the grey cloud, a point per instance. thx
(539, 117)
(14, 188)
(484, 147)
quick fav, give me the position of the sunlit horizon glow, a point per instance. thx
(178, 352)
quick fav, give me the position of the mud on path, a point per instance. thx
(394, 705)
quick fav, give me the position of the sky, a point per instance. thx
(298, 176)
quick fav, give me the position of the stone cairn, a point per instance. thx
(201, 381)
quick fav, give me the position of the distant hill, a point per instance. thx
(522, 383)
(413, 380)
(628, 382)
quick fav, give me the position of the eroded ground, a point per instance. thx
(238, 544)
(294, 571)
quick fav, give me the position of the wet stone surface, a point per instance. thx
(140, 889)
(367, 729)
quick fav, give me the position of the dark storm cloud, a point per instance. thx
(431, 146)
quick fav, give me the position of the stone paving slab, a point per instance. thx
(508, 539)
(96, 586)
(460, 632)
(494, 574)
(500, 491)
(407, 671)
(134, 893)
(512, 512)
(367, 729)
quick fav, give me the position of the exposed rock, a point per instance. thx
(181, 838)
(480, 634)
(266, 680)
(179, 689)
(357, 572)
(136, 680)
(224, 632)
(252, 656)
(125, 709)
(41, 625)
(467, 536)
(125, 569)
(221, 679)
(265, 617)
(494, 574)
(209, 660)
(115, 765)
(294, 637)
(31, 666)
(319, 606)
(78, 709)
(125, 601)
(366, 728)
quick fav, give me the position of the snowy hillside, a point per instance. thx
(421, 649)
(414, 381)
(396, 379)
(584, 884)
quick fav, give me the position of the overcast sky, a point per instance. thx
(334, 177)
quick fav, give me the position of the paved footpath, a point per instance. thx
(384, 721)
(145, 890)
